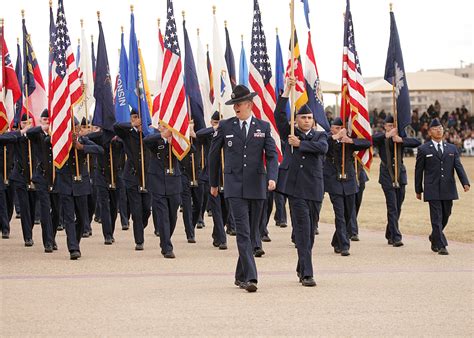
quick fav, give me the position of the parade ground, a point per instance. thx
(378, 290)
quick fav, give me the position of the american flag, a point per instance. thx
(260, 77)
(354, 100)
(66, 90)
(173, 111)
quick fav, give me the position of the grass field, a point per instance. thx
(415, 218)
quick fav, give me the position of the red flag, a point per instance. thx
(66, 90)
(9, 87)
(354, 104)
(173, 111)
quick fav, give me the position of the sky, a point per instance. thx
(433, 33)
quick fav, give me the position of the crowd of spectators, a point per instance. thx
(458, 125)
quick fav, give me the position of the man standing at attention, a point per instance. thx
(246, 142)
(436, 162)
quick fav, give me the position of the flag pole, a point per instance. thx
(395, 125)
(5, 179)
(53, 174)
(31, 185)
(222, 156)
(343, 116)
(292, 68)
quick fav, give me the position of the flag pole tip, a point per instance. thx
(17, 39)
(98, 15)
(391, 7)
(198, 31)
(23, 13)
(159, 21)
(276, 30)
(131, 8)
(225, 23)
(214, 9)
(183, 13)
(121, 28)
(241, 37)
(50, 3)
(78, 41)
(82, 23)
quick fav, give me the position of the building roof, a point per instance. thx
(426, 81)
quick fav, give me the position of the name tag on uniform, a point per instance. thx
(258, 134)
(229, 136)
(429, 155)
(451, 154)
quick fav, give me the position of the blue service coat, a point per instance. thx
(245, 175)
(434, 175)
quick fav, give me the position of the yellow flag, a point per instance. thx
(145, 82)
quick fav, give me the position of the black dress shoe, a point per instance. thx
(113, 240)
(223, 246)
(355, 238)
(308, 281)
(397, 244)
(37, 221)
(108, 241)
(390, 242)
(169, 255)
(250, 286)
(345, 253)
(209, 213)
(258, 252)
(55, 246)
(5, 235)
(125, 227)
(17, 216)
(74, 255)
(85, 235)
(48, 249)
(266, 238)
(97, 219)
(199, 225)
(283, 225)
(191, 240)
(232, 232)
(139, 247)
(215, 244)
(443, 251)
(239, 283)
(157, 234)
(434, 248)
(316, 231)
(60, 227)
(277, 224)
(29, 242)
(337, 250)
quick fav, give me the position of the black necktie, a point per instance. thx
(440, 152)
(244, 129)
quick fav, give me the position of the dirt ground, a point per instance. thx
(415, 218)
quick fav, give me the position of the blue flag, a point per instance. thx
(122, 112)
(395, 75)
(306, 12)
(135, 88)
(93, 58)
(280, 74)
(191, 84)
(243, 68)
(104, 114)
(78, 54)
(229, 59)
(19, 76)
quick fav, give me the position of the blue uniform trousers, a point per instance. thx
(343, 206)
(305, 215)
(42, 196)
(247, 214)
(167, 209)
(140, 210)
(394, 199)
(108, 210)
(27, 202)
(74, 205)
(439, 214)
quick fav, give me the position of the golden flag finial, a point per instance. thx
(23, 13)
(183, 13)
(391, 7)
(121, 28)
(214, 9)
(50, 3)
(98, 15)
(198, 31)
(131, 8)
(159, 21)
(82, 23)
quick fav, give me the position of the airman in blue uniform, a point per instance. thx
(300, 178)
(164, 184)
(341, 186)
(393, 186)
(73, 184)
(436, 162)
(246, 141)
(137, 193)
